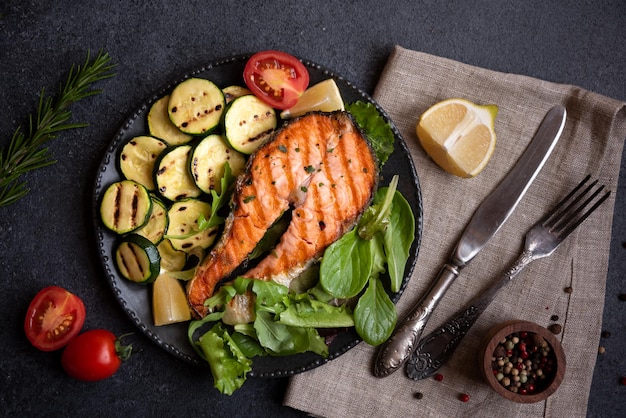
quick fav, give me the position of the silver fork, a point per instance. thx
(541, 241)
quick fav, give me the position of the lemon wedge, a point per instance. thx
(324, 97)
(459, 135)
(169, 303)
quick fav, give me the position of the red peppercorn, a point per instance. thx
(523, 391)
(531, 387)
(464, 397)
(438, 377)
(523, 334)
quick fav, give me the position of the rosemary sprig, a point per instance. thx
(25, 151)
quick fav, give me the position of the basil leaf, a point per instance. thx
(375, 314)
(346, 265)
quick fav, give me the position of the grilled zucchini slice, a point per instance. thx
(232, 92)
(208, 159)
(137, 159)
(172, 178)
(157, 223)
(248, 122)
(196, 106)
(138, 259)
(184, 233)
(171, 258)
(126, 206)
(160, 125)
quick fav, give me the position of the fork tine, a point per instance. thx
(568, 219)
(568, 230)
(550, 218)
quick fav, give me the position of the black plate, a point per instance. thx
(136, 299)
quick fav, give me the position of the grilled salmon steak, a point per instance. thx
(320, 167)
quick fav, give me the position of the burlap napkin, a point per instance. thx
(591, 144)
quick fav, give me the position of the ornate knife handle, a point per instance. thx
(397, 350)
(436, 348)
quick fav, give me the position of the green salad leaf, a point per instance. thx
(346, 265)
(284, 340)
(382, 238)
(284, 324)
(375, 314)
(228, 364)
(375, 128)
(218, 200)
(304, 311)
(398, 238)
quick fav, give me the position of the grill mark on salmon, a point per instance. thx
(322, 168)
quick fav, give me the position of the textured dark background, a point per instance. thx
(46, 238)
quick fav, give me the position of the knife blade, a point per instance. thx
(488, 218)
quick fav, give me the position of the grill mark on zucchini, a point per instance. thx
(118, 200)
(135, 206)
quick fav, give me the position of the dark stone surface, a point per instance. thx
(46, 237)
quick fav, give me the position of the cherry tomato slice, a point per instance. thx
(94, 355)
(276, 77)
(54, 317)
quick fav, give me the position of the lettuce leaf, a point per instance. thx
(228, 364)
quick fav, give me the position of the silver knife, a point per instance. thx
(486, 221)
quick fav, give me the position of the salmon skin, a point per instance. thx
(319, 166)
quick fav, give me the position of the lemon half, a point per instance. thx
(459, 135)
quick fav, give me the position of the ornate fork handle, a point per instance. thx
(434, 350)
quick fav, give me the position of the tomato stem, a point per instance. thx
(123, 351)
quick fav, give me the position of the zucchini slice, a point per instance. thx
(171, 258)
(208, 159)
(126, 206)
(184, 233)
(160, 125)
(137, 159)
(232, 92)
(196, 106)
(248, 123)
(157, 223)
(138, 259)
(172, 178)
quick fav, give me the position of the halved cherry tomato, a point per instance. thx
(94, 355)
(54, 317)
(276, 77)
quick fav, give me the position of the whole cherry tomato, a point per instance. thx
(54, 317)
(94, 355)
(277, 78)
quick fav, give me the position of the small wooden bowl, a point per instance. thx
(543, 388)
